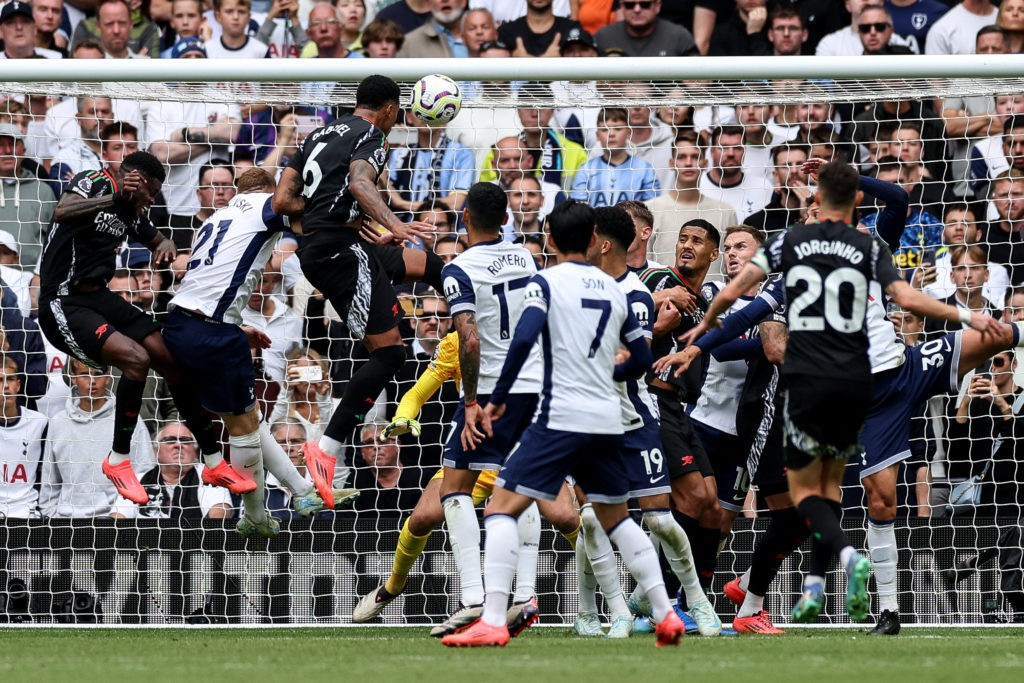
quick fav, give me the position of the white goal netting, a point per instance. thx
(728, 151)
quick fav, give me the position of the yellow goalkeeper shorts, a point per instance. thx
(481, 489)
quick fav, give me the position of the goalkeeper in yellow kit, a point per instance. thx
(428, 514)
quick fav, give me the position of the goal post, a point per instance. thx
(179, 561)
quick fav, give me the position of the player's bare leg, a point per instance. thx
(387, 355)
(423, 266)
(815, 489)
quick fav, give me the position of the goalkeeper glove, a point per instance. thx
(400, 426)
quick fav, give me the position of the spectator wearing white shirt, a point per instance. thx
(725, 179)
(83, 152)
(957, 31)
(22, 435)
(18, 32)
(234, 41)
(683, 201)
(272, 316)
(175, 486)
(79, 437)
(847, 42)
(17, 280)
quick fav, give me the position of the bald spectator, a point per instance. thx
(122, 32)
(18, 33)
(26, 202)
(175, 486)
(642, 33)
(441, 36)
(513, 161)
(478, 27)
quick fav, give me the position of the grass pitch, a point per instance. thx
(371, 655)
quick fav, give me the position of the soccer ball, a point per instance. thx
(436, 99)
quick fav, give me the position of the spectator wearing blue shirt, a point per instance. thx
(615, 176)
(435, 168)
(912, 19)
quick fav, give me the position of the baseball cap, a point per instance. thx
(186, 45)
(9, 130)
(15, 8)
(7, 240)
(578, 35)
(133, 256)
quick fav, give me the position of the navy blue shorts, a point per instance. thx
(540, 462)
(216, 359)
(491, 453)
(930, 369)
(645, 463)
(729, 464)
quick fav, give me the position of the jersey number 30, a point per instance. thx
(832, 284)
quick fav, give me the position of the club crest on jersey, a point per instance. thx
(918, 20)
(379, 158)
(85, 185)
(451, 288)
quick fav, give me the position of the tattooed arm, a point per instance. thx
(288, 199)
(469, 366)
(773, 338)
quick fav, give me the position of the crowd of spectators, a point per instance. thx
(960, 161)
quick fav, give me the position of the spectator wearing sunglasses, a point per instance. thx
(642, 33)
(871, 21)
(175, 485)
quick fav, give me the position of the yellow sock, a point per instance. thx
(409, 548)
(573, 535)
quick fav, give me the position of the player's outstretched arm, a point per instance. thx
(923, 305)
(288, 199)
(73, 206)
(747, 278)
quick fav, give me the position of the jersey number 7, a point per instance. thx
(606, 310)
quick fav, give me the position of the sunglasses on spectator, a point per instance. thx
(878, 27)
(638, 4)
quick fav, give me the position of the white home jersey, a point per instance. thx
(490, 280)
(228, 255)
(638, 407)
(885, 350)
(21, 451)
(720, 395)
(587, 318)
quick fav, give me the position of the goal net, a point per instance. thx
(720, 140)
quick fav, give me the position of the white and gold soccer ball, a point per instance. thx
(436, 99)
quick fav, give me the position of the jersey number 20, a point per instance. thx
(854, 279)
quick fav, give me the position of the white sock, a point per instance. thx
(116, 458)
(602, 560)
(585, 576)
(529, 546)
(499, 564)
(246, 457)
(884, 556)
(814, 580)
(752, 604)
(464, 535)
(845, 554)
(331, 447)
(638, 554)
(276, 461)
(673, 539)
(213, 459)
